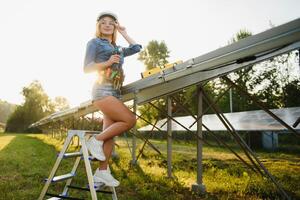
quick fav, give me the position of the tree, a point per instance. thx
(291, 94)
(266, 80)
(60, 103)
(5, 110)
(155, 54)
(241, 77)
(278, 75)
(36, 106)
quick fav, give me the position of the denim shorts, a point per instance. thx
(103, 90)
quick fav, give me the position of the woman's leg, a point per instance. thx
(107, 145)
(115, 110)
(117, 119)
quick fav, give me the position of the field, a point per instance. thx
(26, 160)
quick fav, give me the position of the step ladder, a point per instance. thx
(83, 135)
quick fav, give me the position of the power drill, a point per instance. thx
(115, 73)
(119, 51)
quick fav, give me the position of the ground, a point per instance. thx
(25, 160)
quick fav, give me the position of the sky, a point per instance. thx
(45, 40)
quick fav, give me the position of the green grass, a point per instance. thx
(25, 160)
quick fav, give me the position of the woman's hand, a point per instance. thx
(113, 59)
(121, 29)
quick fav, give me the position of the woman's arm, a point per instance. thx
(89, 62)
(123, 32)
(133, 46)
(92, 66)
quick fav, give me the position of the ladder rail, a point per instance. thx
(83, 135)
(69, 181)
(114, 194)
(55, 167)
(88, 167)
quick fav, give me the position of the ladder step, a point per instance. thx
(73, 154)
(77, 154)
(62, 177)
(57, 197)
(98, 189)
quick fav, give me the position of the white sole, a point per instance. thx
(100, 180)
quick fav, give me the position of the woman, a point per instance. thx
(106, 58)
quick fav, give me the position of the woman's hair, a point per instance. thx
(99, 34)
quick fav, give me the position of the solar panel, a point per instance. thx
(257, 120)
(259, 47)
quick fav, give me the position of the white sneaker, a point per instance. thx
(96, 148)
(98, 185)
(104, 176)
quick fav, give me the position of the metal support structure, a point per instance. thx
(251, 155)
(169, 136)
(133, 152)
(209, 106)
(147, 140)
(230, 100)
(296, 122)
(219, 141)
(188, 130)
(299, 58)
(184, 103)
(199, 187)
(245, 93)
(232, 131)
(229, 88)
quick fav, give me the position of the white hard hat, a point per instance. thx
(107, 13)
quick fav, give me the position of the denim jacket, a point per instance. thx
(100, 50)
